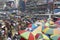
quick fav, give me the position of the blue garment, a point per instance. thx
(22, 5)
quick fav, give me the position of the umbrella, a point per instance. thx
(40, 36)
(55, 37)
(57, 31)
(33, 26)
(45, 37)
(51, 23)
(37, 30)
(27, 35)
(47, 24)
(48, 31)
(21, 31)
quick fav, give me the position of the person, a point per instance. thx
(19, 27)
(29, 26)
(0, 35)
(16, 37)
(9, 38)
(9, 33)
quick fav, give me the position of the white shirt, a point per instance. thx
(9, 38)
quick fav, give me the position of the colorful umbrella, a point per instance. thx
(55, 37)
(47, 24)
(57, 31)
(48, 31)
(33, 26)
(37, 30)
(27, 35)
(45, 37)
(40, 36)
(21, 31)
(51, 23)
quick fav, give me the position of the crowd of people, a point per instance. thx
(9, 28)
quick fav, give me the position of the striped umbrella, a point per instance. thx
(45, 37)
(48, 31)
(37, 30)
(47, 24)
(41, 36)
(51, 23)
(27, 35)
(57, 31)
(21, 31)
(55, 37)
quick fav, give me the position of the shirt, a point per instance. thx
(9, 38)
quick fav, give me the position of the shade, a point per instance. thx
(37, 30)
(27, 35)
